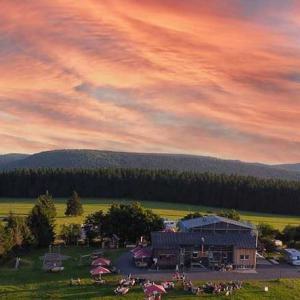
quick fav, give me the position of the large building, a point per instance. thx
(210, 241)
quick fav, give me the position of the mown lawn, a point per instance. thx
(30, 282)
(166, 210)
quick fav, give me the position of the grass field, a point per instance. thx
(30, 282)
(166, 210)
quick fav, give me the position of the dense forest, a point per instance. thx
(224, 191)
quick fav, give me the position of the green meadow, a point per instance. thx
(31, 282)
(164, 209)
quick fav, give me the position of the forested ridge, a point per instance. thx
(224, 191)
(95, 159)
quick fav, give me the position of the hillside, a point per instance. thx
(9, 158)
(107, 159)
(290, 167)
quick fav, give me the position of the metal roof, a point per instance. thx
(167, 240)
(208, 220)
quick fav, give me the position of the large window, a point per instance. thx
(166, 256)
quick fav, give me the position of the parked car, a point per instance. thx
(292, 256)
(170, 224)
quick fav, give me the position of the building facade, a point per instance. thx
(210, 242)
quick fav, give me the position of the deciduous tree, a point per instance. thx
(192, 215)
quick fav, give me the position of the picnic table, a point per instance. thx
(56, 269)
(75, 281)
(127, 282)
(121, 290)
(98, 281)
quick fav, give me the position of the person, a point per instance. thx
(155, 260)
(181, 266)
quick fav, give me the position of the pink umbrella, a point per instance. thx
(142, 253)
(101, 262)
(154, 288)
(99, 271)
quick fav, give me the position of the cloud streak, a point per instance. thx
(220, 78)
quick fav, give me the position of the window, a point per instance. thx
(195, 254)
(295, 257)
(244, 257)
(166, 256)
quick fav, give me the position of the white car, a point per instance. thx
(292, 256)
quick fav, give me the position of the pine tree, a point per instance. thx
(47, 203)
(19, 231)
(41, 220)
(6, 241)
(74, 206)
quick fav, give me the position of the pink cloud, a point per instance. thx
(170, 76)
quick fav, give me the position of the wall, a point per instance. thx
(250, 263)
(172, 261)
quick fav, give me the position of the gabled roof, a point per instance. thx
(208, 220)
(169, 240)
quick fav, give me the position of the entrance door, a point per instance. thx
(181, 257)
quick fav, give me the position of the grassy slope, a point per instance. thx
(167, 210)
(30, 282)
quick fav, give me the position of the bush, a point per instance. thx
(71, 233)
(193, 215)
(291, 234)
(268, 244)
(230, 214)
(267, 231)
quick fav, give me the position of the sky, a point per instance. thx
(218, 78)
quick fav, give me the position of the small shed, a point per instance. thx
(52, 260)
(111, 242)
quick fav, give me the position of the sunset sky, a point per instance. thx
(218, 78)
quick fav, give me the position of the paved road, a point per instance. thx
(267, 272)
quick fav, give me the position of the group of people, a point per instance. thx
(179, 276)
(225, 288)
(126, 283)
(217, 288)
(223, 267)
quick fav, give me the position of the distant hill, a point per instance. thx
(290, 167)
(9, 158)
(107, 159)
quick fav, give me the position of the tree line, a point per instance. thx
(128, 221)
(223, 191)
(229, 214)
(19, 233)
